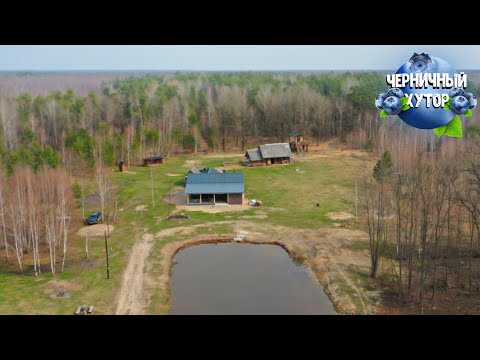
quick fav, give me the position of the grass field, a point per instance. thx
(290, 194)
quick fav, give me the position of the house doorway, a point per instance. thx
(221, 198)
(207, 199)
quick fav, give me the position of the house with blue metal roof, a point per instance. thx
(215, 188)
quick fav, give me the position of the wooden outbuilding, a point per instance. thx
(153, 160)
(122, 167)
(269, 154)
(298, 142)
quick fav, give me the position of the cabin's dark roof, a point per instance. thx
(159, 157)
(196, 169)
(279, 150)
(202, 169)
(213, 171)
(254, 155)
(215, 183)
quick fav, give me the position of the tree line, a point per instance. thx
(139, 116)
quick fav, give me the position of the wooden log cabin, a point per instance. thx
(269, 154)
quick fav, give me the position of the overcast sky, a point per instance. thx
(227, 57)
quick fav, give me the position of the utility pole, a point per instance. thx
(356, 201)
(108, 227)
(151, 181)
(106, 253)
(86, 244)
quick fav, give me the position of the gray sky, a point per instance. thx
(227, 57)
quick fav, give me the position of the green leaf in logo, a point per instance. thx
(468, 113)
(383, 114)
(446, 107)
(405, 107)
(404, 100)
(449, 101)
(440, 130)
(454, 128)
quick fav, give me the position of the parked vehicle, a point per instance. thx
(94, 218)
(255, 202)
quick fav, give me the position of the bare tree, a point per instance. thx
(50, 219)
(34, 220)
(18, 209)
(64, 201)
(103, 189)
(2, 211)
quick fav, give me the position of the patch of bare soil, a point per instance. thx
(329, 149)
(141, 208)
(176, 197)
(230, 166)
(214, 209)
(62, 288)
(132, 297)
(340, 216)
(190, 163)
(226, 155)
(277, 209)
(89, 264)
(96, 230)
(258, 215)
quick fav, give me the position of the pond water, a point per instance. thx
(234, 278)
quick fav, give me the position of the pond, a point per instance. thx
(239, 278)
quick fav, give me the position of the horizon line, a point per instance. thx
(189, 70)
(200, 71)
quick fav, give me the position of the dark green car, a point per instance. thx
(94, 218)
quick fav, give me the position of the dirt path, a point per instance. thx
(350, 283)
(97, 230)
(132, 299)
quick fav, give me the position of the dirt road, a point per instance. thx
(132, 298)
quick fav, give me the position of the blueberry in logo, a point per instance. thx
(392, 105)
(379, 100)
(456, 92)
(421, 63)
(427, 93)
(395, 92)
(459, 105)
(472, 100)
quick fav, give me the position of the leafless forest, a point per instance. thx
(13, 84)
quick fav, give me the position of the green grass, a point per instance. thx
(289, 199)
(359, 245)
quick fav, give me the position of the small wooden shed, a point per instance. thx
(122, 167)
(298, 143)
(153, 160)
